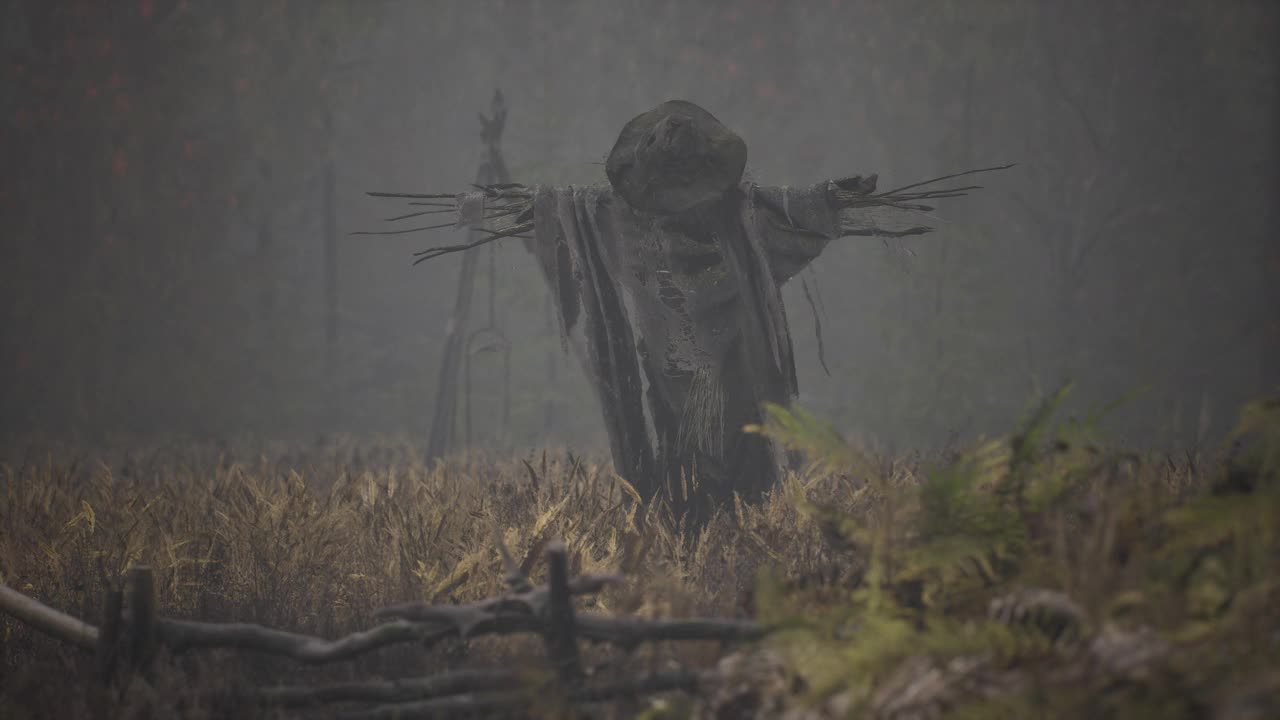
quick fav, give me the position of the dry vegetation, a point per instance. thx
(1040, 573)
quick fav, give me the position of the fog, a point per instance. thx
(164, 203)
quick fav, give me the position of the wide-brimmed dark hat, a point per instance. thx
(674, 157)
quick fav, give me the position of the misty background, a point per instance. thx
(171, 170)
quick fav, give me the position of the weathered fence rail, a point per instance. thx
(132, 633)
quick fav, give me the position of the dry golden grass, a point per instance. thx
(314, 540)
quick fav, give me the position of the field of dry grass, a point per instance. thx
(1040, 571)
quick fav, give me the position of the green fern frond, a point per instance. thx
(1250, 518)
(1215, 519)
(1026, 443)
(839, 529)
(966, 533)
(797, 429)
(1260, 422)
(955, 501)
(955, 559)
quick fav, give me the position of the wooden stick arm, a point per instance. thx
(867, 213)
(506, 209)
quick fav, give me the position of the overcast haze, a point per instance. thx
(164, 205)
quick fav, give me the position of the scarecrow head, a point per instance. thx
(674, 157)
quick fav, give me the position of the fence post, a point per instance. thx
(140, 630)
(560, 641)
(109, 635)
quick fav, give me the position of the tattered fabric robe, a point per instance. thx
(694, 300)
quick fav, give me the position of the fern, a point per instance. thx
(1260, 422)
(938, 552)
(796, 429)
(1025, 446)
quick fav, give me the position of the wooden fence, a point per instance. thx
(132, 632)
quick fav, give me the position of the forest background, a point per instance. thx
(163, 195)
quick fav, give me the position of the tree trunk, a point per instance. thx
(330, 271)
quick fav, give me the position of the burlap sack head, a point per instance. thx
(674, 157)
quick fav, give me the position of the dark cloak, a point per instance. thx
(693, 299)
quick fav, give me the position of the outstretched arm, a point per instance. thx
(892, 213)
(799, 222)
(493, 212)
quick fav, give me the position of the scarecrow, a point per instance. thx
(672, 272)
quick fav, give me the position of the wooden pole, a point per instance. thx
(553, 332)
(140, 630)
(562, 646)
(108, 649)
(442, 421)
(453, 362)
